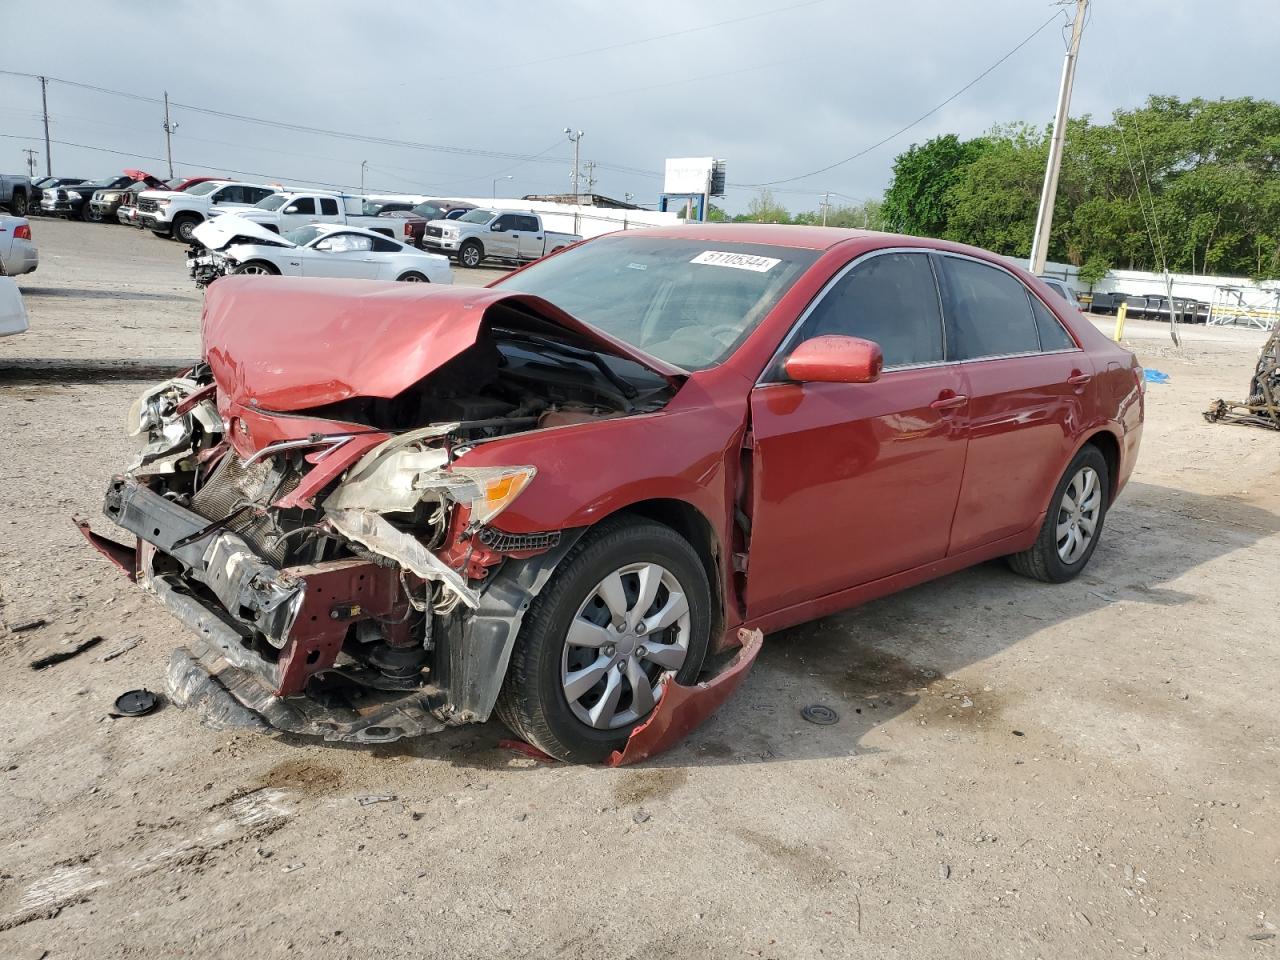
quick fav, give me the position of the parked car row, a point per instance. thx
(1151, 308)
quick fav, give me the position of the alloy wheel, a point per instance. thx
(1078, 515)
(254, 269)
(632, 627)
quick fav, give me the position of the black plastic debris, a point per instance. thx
(820, 714)
(49, 660)
(135, 703)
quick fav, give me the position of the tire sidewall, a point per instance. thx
(571, 588)
(468, 247)
(183, 229)
(1087, 456)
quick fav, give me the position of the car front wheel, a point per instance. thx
(629, 603)
(1073, 524)
(470, 254)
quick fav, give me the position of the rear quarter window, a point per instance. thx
(1053, 336)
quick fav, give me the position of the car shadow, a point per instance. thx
(89, 293)
(899, 655)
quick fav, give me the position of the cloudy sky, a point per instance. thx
(779, 88)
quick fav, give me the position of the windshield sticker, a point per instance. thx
(637, 266)
(738, 261)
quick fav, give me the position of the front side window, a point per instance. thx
(503, 223)
(890, 298)
(302, 205)
(988, 310)
(254, 194)
(345, 243)
(227, 195)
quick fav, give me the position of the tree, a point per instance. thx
(765, 209)
(917, 199)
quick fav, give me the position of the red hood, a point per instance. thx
(286, 344)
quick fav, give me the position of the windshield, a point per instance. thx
(477, 216)
(689, 302)
(429, 210)
(302, 235)
(200, 189)
(104, 182)
(273, 202)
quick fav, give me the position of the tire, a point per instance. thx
(1055, 559)
(534, 702)
(256, 268)
(470, 254)
(182, 228)
(413, 276)
(82, 214)
(18, 204)
(92, 215)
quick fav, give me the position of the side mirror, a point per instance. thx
(292, 208)
(835, 360)
(497, 226)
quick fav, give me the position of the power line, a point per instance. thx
(913, 123)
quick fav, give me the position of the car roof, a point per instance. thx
(772, 234)
(327, 228)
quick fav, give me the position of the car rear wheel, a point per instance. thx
(629, 603)
(1073, 524)
(413, 277)
(93, 215)
(256, 268)
(18, 205)
(470, 254)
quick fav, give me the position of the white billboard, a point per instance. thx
(688, 175)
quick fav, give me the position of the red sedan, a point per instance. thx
(385, 509)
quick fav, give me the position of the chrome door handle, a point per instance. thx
(1080, 379)
(949, 403)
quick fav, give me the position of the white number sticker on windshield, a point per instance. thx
(739, 261)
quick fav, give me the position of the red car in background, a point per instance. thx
(387, 509)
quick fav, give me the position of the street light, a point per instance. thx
(495, 184)
(576, 140)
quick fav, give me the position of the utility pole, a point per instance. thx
(168, 134)
(591, 176)
(826, 205)
(1044, 220)
(576, 140)
(363, 164)
(31, 163)
(44, 103)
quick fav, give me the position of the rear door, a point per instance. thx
(530, 240)
(854, 482)
(1028, 388)
(329, 210)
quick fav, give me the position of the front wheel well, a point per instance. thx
(688, 521)
(1109, 447)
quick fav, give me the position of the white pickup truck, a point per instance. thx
(286, 211)
(478, 235)
(167, 213)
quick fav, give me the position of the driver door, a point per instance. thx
(502, 240)
(297, 212)
(341, 255)
(852, 482)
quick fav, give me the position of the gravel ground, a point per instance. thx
(1019, 770)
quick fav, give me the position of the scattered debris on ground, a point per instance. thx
(49, 660)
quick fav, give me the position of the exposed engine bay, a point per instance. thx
(344, 579)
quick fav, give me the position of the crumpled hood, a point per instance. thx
(285, 344)
(216, 232)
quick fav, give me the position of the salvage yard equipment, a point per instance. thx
(1262, 408)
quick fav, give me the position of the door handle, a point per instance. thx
(370, 259)
(949, 403)
(1079, 379)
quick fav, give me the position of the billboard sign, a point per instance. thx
(688, 175)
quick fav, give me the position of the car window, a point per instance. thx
(345, 243)
(429, 210)
(200, 189)
(890, 298)
(988, 311)
(229, 195)
(1053, 336)
(383, 245)
(274, 202)
(502, 223)
(306, 205)
(254, 194)
(476, 216)
(527, 224)
(328, 206)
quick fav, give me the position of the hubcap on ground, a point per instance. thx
(1078, 514)
(632, 628)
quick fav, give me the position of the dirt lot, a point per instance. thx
(1019, 770)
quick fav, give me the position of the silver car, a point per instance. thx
(233, 244)
(18, 253)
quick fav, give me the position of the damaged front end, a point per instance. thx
(337, 562)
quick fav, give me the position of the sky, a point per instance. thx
(777, 88)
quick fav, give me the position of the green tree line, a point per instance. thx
(1191, 183)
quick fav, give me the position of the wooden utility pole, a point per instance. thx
(44, 103)
(31, 162)
(1044, 220)
(168, 134)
